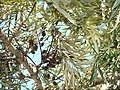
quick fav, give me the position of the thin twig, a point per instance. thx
(31, 59)
(50, 48)
(17, 31)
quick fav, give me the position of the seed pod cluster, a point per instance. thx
(50, 60)
(42, 39)
(33, 46)
(51, 78)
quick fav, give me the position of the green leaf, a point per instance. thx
(56, 5)
(116, 4)
(101, 73)
(94, 74)
(95, 45)
(115, 8)
(112, 14)
(89, 1)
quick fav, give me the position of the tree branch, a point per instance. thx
(20, 57)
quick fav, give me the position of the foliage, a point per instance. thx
(77, 42)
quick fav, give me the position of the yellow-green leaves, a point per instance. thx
(116, 4)
(70, 75)
(62, 11)
(11, 1)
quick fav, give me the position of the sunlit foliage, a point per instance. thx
(78, 43)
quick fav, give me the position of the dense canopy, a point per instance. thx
(59, 44)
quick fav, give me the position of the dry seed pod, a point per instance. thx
(53, 78)
(41, 38)
(58, 62)
(33, 51)
(47, 76)
(51, 65)
(43, 33)
(53, 61)
(45, 61)
(42, 44)
(45, 67)
(31, 42)
(35, 47)
(44, 56)
(44, 51)
(54, 83)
